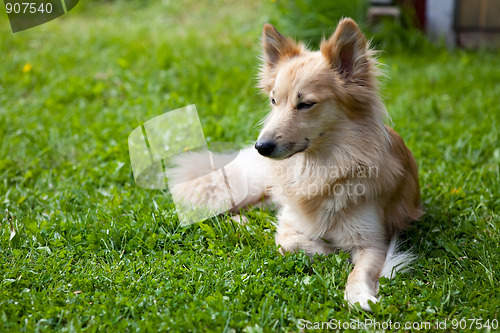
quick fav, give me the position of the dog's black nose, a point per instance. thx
(265, 146)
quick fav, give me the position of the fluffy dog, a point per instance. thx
(341, 177)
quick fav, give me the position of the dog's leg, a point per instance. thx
(292, 238)
(361, 232)
(204, 184)
(362, 283)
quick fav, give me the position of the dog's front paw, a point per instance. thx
(240, 219)
(360, 293)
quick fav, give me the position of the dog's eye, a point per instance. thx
(305, 105)
(273, 101)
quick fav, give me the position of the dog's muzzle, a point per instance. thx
(265, 147)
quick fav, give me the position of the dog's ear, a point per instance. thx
(347, 49)
(276, 47)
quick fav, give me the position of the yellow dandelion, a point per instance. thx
(27, 68)
(456, 190)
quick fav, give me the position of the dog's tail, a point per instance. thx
(397, 261)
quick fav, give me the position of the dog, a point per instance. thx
(341, 178)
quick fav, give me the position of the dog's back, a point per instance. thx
(403, 206)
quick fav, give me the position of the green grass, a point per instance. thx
(83, 248)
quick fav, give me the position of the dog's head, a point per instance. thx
(313, 93)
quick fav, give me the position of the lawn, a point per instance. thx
(83, 248)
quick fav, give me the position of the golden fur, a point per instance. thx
(342, 179)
